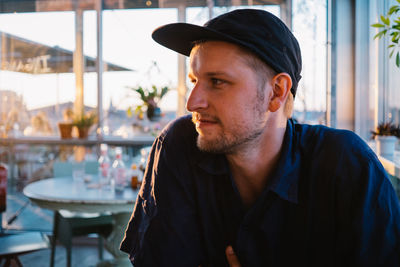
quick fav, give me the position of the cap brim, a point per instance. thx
(181, 37)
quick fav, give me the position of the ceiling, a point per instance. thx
(11, 6)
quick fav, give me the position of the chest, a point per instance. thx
(265, 234)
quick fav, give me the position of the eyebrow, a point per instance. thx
(214, 73)
(211, 74)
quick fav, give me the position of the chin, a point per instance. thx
(211, 145)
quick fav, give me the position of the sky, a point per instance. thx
(127, 42)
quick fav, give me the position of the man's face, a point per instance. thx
(227, 101)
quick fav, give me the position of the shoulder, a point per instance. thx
(321, 140)
(176, 144)
(340, 156)
(179, 134)
(179, 130)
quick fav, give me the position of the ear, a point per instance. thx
(281, 85)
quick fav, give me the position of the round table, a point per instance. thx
(64, 193)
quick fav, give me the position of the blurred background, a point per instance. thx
(75, 74)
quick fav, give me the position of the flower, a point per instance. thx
(150, 99)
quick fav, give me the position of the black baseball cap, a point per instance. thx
(257, 30)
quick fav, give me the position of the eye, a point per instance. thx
(217, 82)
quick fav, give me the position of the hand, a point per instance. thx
(231, 257)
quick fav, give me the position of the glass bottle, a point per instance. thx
(104, 166)
(136, 176)
(118, 180)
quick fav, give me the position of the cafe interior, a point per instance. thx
(84, 91)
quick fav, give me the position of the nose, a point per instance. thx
(197, 99)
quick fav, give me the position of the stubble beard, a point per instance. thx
(240, 135)
(224, 144)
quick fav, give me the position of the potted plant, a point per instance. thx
(150, 100)
(386, 135)
(390, 24)
(66, 125)
(84, 122)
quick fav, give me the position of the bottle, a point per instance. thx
(104, 166)
(136, 176)
(3, 188)
(118, 180)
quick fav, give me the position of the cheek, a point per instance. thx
(239, 114)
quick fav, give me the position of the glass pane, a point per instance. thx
(391, 76)
(309, 27)
(394, 94)
(127, 42)
(36, 71)
(37, 83)
(393, 91)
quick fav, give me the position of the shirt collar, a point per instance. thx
(215, 164)
(283, 179)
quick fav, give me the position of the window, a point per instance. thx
(385, 73)
(37, 82)
(309, 27)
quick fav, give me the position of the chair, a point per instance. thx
(67, 224)
(13, 245)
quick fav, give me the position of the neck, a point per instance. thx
(252, 164)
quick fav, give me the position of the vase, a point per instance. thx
(153, 113)
(385, 145)
(65, 130)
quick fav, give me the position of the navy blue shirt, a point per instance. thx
(328, 202)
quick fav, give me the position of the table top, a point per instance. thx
(66, 194)
(392, 164)
(143, 139)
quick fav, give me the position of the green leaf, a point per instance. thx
(377, 25)
(390, 46)
(385, 20)
(398, 1)
(393, 9)
(380, 34)
(164, 90)
(391, 53)
(398, 60)
(141, 93)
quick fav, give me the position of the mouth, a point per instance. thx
(203, 121)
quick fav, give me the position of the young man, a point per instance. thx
(239, 173)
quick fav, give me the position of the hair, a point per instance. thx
(264, 73)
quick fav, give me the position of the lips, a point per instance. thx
(203, 120)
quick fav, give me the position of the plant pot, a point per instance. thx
(83, 132)
(65, 130)
(385, 145)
